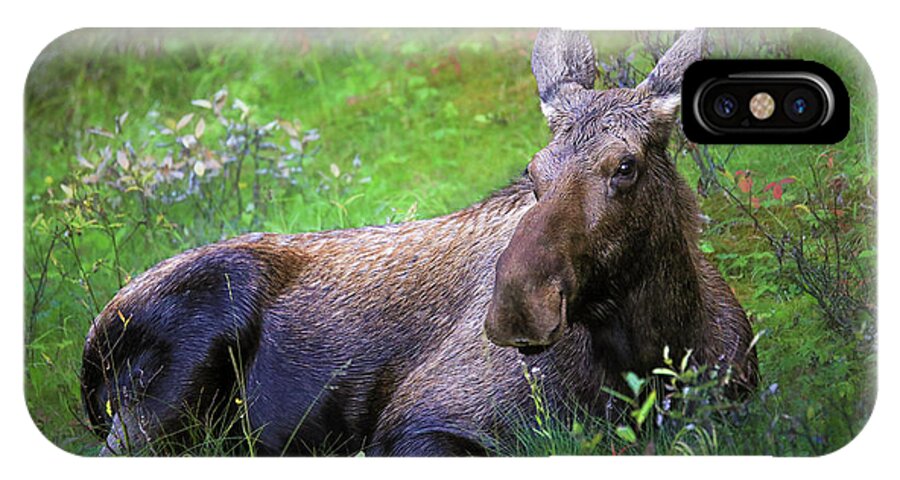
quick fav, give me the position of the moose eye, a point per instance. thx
(626, 167)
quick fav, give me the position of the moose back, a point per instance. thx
(410, 339)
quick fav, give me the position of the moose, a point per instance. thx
(411, 338)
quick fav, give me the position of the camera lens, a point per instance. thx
(725, 105)
(801, 105)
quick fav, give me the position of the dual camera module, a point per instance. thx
(764, 102)
(799, 106)
(756, 101)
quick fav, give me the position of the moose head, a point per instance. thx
(609, 200)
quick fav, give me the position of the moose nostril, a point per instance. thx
(532, 350)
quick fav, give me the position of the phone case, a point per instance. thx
(478, 242)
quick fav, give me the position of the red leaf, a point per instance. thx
(777, 192)
(755, 202)
(787, 180)
(745, 184)
(770, 186)
(837, 184)
(456, 66)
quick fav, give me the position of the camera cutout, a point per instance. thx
(764, 101)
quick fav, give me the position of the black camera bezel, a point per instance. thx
(707, 80)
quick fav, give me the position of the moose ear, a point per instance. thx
(664, 82)
(563, 63)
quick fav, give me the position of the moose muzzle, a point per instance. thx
(532, 288)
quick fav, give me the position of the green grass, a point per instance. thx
(410, 125)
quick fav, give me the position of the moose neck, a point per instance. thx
(650, 300)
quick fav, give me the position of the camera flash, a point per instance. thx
(762, 105)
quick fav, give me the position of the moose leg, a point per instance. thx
(135, 426)
(426, 442)
(124, 436)
(422, 421)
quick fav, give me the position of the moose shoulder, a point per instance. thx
(409, 339)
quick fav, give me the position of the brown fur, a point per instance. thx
(375, 337)
(615, 251)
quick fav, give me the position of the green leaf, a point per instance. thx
(635, 383)
(626, 433)
(450, 110)
(617, 395)
(588, 446)
(641, 415)
(412, 47)
(202, 103)
(200, 128)
(684, 361)
(577, 428)
(184, 121)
